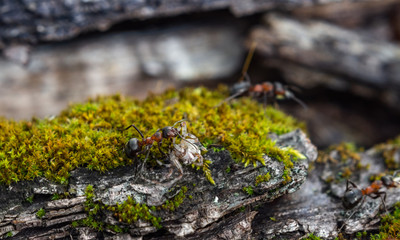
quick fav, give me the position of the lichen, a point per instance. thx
(90, 134)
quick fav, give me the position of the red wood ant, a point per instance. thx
(271, 90)
(353, 195)
(186, 150)
(134, 146)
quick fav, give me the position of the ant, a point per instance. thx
(353, 195)
(272, 90)
(134, 146)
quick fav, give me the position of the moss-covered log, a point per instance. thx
(69, 175)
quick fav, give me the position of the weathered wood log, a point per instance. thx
(206, 210)
(132, 63)
(349, 14)
(31, 21)
(329, 49)
(317, 207)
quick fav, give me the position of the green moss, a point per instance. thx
(40, 213)
(388, 151)
(89, 134)
(262, 178)
(249, 190)
(176, 201)
(390, 226)
(130, 211)
(311, 236)
(345, 151)
(30, 198)
(345, 158)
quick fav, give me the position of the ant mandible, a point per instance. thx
(134, 146)
(274, 90)
(353, 195)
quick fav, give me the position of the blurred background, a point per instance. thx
(341, 57)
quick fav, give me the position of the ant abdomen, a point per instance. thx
(352, 197)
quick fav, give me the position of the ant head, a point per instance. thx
(240, 87)
(132, 148)
(169, 132)
(387, 180)
(352, 197)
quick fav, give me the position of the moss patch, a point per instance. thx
(89, 134)
(390, 226)
(389, 151)
(345, 158)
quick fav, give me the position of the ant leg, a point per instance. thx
(379, 195)
(137, 129)
(265, 99)
(355, 210)
(231, 97)
(140, 168)
(161, 151)
(347, 185)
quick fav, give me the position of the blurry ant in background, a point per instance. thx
(267, 90)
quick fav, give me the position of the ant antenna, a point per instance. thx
(247, 77)
(355, 210)
(248, 61)
(231, 97)
(133, 125)
(182, 120)
(290, 95)
(299, 101)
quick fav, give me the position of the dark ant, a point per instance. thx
(269, 90)
(353, 195)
